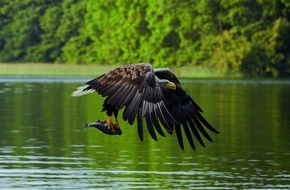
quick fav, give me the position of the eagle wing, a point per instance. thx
(135, 88)
(183, 109)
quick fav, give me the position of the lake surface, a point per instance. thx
(43, 144)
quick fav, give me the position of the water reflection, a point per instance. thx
(43, 145)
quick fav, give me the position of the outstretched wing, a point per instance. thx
(185, 111)
(135, 88)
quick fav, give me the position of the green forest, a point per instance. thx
(247, 36)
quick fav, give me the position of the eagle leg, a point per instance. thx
(108, 122)
(116, 123)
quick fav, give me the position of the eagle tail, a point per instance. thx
(82, 90)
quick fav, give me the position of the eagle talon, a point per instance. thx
(109, 124)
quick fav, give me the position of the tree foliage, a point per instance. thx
(252, 37)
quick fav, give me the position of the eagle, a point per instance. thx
(153, 95)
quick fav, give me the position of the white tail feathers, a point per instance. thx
(82, 91)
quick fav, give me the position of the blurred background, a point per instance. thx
(247, 37)
(232, 57)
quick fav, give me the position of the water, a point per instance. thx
(43, 145)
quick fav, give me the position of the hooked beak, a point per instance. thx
(170, 85)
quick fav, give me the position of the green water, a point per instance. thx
(43, 144)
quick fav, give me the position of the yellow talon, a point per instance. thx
(116, 123)
(113, 126)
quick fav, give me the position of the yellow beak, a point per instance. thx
(170, 85)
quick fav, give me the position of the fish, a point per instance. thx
(103, 126)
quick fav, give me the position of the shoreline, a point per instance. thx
(53, 69)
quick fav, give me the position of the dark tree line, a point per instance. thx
(252, 37)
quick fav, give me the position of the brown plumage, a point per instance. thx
(153, 94)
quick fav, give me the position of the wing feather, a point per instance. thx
(201, 118)
(132, 108)
(154, 120)
(187, 133)
(140, 124)
(179, 136)
(185, 111)
(150, 97)
(121, 96)
(128, 93)
(201, 129)
(150, 128)
(162, 118)
(195, 132)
